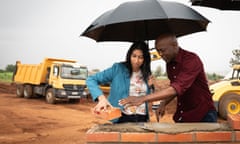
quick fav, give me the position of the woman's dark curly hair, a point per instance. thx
(145, 68)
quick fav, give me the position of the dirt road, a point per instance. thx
(33, 121)
(25, 121)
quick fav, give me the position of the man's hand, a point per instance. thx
(161, 110)
(132, 101)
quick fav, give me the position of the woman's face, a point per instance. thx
(137, 59)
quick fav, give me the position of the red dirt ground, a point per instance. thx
(25, 121)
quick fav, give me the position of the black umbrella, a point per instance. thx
(218, 4)
(145, 20)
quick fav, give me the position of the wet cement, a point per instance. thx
(169, 128)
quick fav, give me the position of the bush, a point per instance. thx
(6, 76)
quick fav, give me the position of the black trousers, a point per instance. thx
(132, 118)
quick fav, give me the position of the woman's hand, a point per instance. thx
(102, 105)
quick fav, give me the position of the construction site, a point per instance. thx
(35, 121)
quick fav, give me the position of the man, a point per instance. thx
(188, 83)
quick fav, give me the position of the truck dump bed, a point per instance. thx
(34, 73)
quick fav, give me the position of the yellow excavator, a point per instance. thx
(226, 93)
(154, 55)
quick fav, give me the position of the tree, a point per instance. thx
(214, 76)
(236, 59)
(10, 68)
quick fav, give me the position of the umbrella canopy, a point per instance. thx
(218, 4)
(145, 20)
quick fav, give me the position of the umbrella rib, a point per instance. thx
(167, 17)
(158, 2)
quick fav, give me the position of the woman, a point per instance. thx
(127, 78)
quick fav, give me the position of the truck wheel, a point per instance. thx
(28, 91)
(50, 97)
(19, 90)
(229, 104)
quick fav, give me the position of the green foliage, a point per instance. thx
(6, 76)
(214, 76)
(10, 68)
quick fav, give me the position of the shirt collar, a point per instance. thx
(178, 58)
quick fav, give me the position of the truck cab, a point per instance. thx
(66, 81)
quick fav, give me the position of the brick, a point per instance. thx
(234, 121)
(216, 136)
(103, 137)
(237, 136)
(109, 114)
(182, 137)
(138, 137)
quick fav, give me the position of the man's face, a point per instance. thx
(166, 48)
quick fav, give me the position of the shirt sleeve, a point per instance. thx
(103, 77)
(190, 69)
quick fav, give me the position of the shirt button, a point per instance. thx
(174, 76)
(179, 104)
(181, 111)
(180, 118)
(174, 67)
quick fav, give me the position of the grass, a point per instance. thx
(6, 76)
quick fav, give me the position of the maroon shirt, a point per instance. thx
(187, 76)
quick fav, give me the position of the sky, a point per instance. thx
(31, 30)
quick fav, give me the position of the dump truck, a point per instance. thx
(226, 93)
(55, 79)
